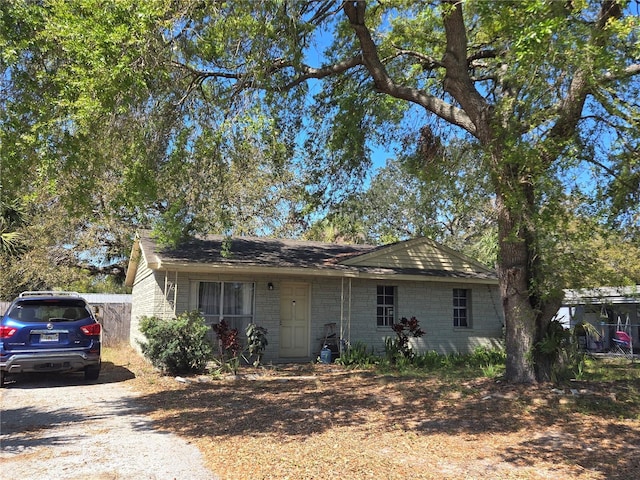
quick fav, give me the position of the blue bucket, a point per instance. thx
(325, 355)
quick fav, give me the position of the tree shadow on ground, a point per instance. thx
(109, 373)
(544, 421)
(64, 418)
(611, 449)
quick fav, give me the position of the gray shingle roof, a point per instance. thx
(217, 249)
(253, 252)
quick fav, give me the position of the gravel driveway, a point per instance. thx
(59, 427)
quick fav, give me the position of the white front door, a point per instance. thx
(294, 320)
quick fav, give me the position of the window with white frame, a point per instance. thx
(461, 308)
(386, 305)
(231, 301)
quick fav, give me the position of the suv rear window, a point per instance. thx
(49, 310)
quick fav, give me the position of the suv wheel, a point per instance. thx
(91, 372)
(2, 376)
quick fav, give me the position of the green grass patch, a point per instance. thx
(612, 386)
(482, 362)
(610, 369)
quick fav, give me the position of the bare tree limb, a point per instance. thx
(317, 73)
(327, 8)
(481, 55)
(426, 61)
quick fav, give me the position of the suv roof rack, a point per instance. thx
(48, 293)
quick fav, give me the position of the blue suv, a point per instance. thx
(49, 332)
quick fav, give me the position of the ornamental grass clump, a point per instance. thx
(358, 355)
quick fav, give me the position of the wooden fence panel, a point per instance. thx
(3, 307)
(116, 320)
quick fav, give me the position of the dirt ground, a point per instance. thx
(61, 427)
(322, 421)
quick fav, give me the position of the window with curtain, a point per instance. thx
(209, 298)
(232, 301)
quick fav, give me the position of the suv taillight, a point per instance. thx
(91, 330)
(6, 332)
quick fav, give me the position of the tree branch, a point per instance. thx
(354, 10)
(628, 72)
(327, 8)
(425, 61)
(307, 73)
(571, 107)
(317, 73)
(203, 74)
(457, 80)
(118, 269)
(481, 55)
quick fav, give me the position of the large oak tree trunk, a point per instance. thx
(519, 315)
(527, 309)
(517, 265)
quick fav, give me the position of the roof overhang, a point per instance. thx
(345, 272)
(134, 261)
(603, 296)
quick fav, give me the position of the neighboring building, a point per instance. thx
(608, 309)
(295, 288)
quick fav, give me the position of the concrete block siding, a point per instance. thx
(144, 301)
(351, 303)
(432, 305)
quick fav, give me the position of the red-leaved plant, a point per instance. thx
(229, 346)
(403, 329)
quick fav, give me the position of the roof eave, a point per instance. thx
(603, 296)
(314, 272)
(134, 260)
